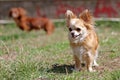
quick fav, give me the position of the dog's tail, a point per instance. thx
(38, 11)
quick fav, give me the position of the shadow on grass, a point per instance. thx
(56, 68)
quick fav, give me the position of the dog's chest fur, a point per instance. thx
(79, 51)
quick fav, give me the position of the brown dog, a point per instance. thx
(83, 39)
(29, 23)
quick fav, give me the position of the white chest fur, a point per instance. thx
(79, 51)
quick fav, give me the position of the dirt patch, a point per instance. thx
(110, 65)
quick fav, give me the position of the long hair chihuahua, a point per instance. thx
(83, 39)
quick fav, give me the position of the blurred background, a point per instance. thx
(36, 56)
(55, 9)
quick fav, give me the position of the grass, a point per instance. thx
(36, 56)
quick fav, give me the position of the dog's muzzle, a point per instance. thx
(74, 36)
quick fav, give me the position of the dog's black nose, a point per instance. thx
(72, 34)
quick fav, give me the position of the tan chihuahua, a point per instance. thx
(83, 39)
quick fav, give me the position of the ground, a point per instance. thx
(36, 56)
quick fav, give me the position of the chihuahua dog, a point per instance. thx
(83, 39)
(27, 23)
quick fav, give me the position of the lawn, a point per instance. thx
(36, 56)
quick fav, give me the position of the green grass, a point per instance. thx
(36, 56)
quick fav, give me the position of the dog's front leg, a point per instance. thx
(77, 63)
(89, 58)
(25, 27)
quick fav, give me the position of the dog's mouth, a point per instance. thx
(75, 36)
(14, 15)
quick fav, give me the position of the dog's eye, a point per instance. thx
(70, 29)
(78, 29)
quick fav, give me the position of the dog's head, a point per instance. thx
(17, 12)
(78, 26)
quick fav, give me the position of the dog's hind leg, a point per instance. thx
(95, 63)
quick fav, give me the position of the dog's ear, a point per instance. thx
(86, 16)
(22, 11)
(69, 15)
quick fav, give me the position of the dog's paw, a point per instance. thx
(95, 65)
(91, 70)
(76, 69)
